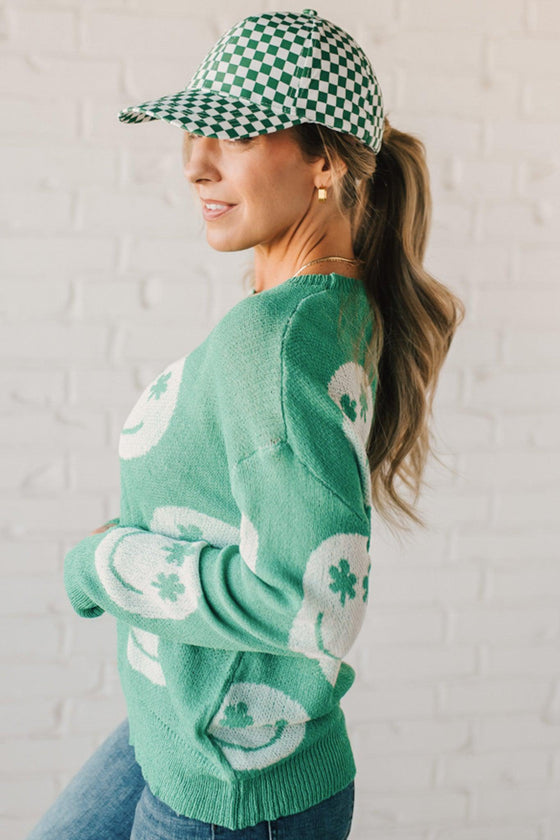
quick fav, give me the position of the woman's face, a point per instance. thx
(270, 187)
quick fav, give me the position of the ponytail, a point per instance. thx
(387, 197)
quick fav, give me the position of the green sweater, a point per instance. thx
(238, 568)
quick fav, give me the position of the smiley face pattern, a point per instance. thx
(257, 725)
(148, 573)
(175, 522)
(142, 654)
(335, 583)
(335, 589)
(156, 575)
(337, 572)
(350, 390)
(150, 417)
(280, 570)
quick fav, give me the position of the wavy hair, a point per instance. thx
(387, 198)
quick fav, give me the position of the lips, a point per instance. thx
(208, 200)
(217, 208)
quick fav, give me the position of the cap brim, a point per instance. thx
(206, 112)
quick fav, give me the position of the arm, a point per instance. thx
(295, 583)
(107, 525)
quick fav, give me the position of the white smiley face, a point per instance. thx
(351, 391)
(155, 572)
(142, 654)
(335, 589)
(148, 420)
(149, 573)
(257, 725)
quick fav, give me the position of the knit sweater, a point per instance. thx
(238, 567)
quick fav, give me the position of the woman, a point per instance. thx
(238, 569)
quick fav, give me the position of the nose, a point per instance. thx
(200, 156)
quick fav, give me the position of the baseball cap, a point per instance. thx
(271, 71)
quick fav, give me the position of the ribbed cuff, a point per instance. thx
(75, 577)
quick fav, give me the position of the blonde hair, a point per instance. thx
(387, 197)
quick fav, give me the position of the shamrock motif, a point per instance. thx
(176, 553)
(160, 386)
(343, 581)
(192, 533)
(348, 406)
(236, 715)
(257, 725)
(169, 586)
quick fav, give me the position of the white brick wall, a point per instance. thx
(106, 275)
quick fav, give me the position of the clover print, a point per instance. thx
(191, 532)
(177, 553)
(169, 586)
(343, 581)
(237, 715)
(348, 406)
(160, 386)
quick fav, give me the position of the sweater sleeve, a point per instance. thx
(296, 581)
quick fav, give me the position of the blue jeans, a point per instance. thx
(108, 799)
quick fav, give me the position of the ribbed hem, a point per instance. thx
(291, 786)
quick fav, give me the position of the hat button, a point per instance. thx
(312, 12)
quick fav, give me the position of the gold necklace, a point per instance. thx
(320, 259)
(326, 259)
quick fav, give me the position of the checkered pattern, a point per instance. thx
(271, 71)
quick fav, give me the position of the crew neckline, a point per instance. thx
(342, 281)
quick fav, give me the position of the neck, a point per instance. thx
(325, 235)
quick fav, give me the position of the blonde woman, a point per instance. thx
(239, 567)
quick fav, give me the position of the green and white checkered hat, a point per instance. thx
(271, 71)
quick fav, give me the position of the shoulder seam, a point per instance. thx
(284, 443)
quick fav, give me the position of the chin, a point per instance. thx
(228, 243)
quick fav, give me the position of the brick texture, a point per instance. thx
(106, 276)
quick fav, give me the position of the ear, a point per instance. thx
(325, 174)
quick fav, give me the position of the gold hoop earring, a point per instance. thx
(322, 193)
